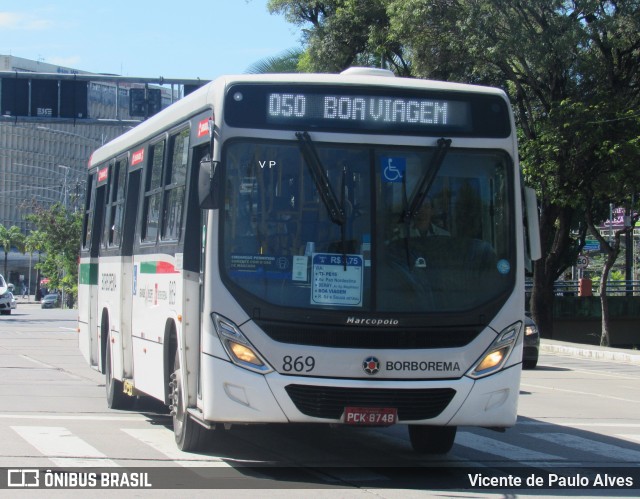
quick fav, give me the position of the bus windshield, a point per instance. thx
(281, 244)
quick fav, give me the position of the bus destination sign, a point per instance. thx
(377, 111)
(348, 108)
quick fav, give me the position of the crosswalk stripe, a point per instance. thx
(163, 441)
(63, 448)
(76, 417)
(496, 447)
(614, 452)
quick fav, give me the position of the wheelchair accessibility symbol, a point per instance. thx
(393, 169)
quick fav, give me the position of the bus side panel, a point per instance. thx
(148, 360)
(126, 300)
(158, 291)
(109, 283)
(88, 340)
(191, 334)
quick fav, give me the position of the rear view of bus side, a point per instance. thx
(314, 249)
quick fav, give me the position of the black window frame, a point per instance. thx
(115, 200)
(89, 212)
(152, 191)
(172, 186)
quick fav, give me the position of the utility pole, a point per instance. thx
(65, 187)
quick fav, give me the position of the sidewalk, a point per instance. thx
(31, 300)
(590, 351)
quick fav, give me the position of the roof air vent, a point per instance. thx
(359, 71)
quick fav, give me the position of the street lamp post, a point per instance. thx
(65, 191)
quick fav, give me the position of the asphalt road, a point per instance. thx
(578, 418)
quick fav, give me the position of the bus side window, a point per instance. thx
(153, 193)
(174, 190)
(88, 212)
(105, 214)
(116, 203)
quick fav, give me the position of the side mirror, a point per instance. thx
(207, 184)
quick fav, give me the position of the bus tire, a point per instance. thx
(432, 439)
(189, 435)
(116, 398)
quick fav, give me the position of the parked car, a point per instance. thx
(14, 302)
(51, 301)
(531, 344)
(5, 297)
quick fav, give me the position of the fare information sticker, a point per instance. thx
(333, 283)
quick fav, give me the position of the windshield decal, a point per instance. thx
(393, 169)
(336, 282)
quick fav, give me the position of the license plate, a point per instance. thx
(374, 416)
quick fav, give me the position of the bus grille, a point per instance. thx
(329, 402)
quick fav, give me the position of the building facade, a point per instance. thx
(44, 161)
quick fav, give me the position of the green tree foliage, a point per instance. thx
(35, 242)
(59, 233)
(570, 68)
(287, 62)
(9, 238)
(344, 33)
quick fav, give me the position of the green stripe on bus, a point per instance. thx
(88, 273)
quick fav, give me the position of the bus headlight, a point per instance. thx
(498, 352)
(238, 348)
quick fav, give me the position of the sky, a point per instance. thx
(173, 39)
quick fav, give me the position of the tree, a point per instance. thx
(11, 237)
(35, 242)
(61, 231)
(286, 62)
(344, 33)
(571, 70)
(612, 250)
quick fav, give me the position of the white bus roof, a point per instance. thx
(203, 99)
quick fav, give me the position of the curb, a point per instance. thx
(590, 351)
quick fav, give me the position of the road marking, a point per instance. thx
(614, 453)
(512, 452)
(67, 417)
(49, 366)
(63, 448)
(606, 373)
(578, 392)
(553, 422)
(163, 441)
(25, 357)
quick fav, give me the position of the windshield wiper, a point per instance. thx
(422, 189)
(336, 213)
(334, 207)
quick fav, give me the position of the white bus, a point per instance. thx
(314, 249)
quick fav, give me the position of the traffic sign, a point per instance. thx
(582, 262)
(591, 245)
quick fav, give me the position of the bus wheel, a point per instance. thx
(189, 435)
(432, 439)
(116, 398)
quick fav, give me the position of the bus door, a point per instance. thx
(96, 221)
(129, 274)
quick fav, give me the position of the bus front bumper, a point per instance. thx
(236, 395)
